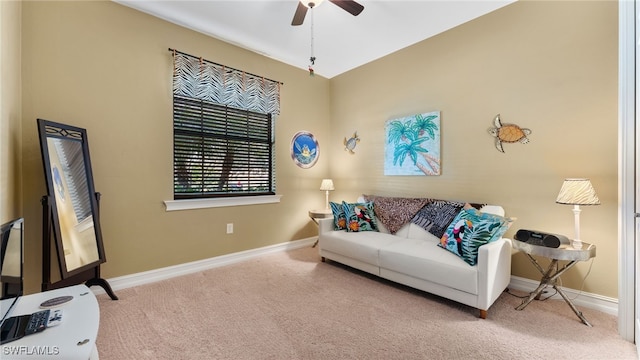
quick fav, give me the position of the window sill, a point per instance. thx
(191, 204)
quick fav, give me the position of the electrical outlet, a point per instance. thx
(230, 228)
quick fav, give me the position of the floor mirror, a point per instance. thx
(70, 208)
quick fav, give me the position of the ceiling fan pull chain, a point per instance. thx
(312, 59)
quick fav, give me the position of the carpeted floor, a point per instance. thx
(292, 306)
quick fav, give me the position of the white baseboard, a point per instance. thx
(151, 276)
(593, 301)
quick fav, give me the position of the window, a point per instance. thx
(220, 151)
(223, 130)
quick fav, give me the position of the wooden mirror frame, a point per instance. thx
(71, 197)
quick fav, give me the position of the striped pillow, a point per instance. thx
(436, 216)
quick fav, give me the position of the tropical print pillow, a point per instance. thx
(505, 222)
(339, 220)
(469, 230)
(360, 216)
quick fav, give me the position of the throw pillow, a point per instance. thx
(359, 216)
(339, 220)
(505, 222)
(469, 230)
(437, 215)
(395, 212)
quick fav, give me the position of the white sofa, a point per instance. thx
(411, 257)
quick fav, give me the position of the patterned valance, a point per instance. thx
(205, 80)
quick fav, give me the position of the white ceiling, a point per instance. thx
(341, 41)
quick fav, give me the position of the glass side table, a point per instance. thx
(552, 273)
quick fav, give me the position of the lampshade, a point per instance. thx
(577, 192)
(327, 185)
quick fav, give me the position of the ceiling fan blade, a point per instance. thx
(298, 17)
(350, 6)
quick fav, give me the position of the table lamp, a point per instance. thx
(577, 192)
(326, 186)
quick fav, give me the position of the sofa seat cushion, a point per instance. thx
(423, 259)
(361, 246)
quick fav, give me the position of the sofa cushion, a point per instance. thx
(423, 259)
(394, 212)
(339, 220)
(381, 227)
(360, 216)
(471, 229)
(361, 246)
(417, 232)
(493, 209)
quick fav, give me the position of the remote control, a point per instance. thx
(55, 318)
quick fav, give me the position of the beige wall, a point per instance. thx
(548, 66)
(545, 65)
(10, 111)
(106, 68)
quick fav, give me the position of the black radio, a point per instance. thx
(541, 239)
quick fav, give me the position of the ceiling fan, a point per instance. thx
(350, 6)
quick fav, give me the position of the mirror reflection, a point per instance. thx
(73, 202)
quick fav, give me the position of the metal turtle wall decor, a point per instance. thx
(508, 133)
(350, 143)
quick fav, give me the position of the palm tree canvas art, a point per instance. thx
(413, 145)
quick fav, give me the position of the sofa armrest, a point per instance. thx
(494, 271)
(325, 225)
